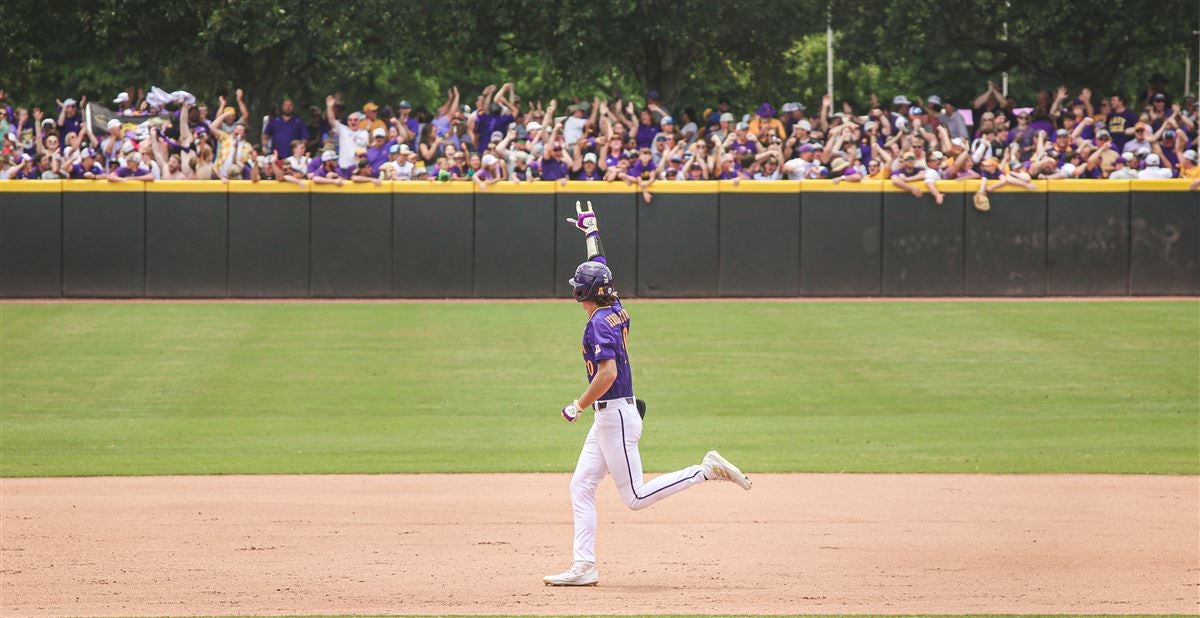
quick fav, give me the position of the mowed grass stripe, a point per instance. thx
(121, 389)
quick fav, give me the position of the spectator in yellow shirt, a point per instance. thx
(1187, 165)
(764, 124)
(373, 121)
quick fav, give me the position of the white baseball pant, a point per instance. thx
(612, 446)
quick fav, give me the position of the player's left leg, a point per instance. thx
(589, 471)
(619, 429)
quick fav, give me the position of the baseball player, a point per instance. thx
(612, 442)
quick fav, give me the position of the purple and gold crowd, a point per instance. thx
(499, 138)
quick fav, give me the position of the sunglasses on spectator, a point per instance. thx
(910, 158)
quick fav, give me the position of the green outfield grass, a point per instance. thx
(119, 389)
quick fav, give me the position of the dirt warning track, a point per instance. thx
(796, 543)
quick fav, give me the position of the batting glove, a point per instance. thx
(584, 220)
(571, 411)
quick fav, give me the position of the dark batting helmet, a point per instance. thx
(592, 281)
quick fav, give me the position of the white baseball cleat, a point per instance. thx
(580, 574)
(718, 467)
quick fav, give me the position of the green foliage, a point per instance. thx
(95, 389)
(691, 51)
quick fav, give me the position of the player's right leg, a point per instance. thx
(620, 430)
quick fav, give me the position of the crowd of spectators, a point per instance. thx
(497, 137)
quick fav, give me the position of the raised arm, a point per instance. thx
(243, 111)
(585, 221)
(330, 102)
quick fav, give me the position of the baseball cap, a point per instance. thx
(122, 97)
(394, 149)
(1126, 156)
(533, 126)
(88, 152)
(1190, 155)
(933, 99)
(70, 102)
(806, 148)
(666, 120)
(355, 116)
(916, 111)
(405, 105)
(1169, 134)
(1152, 160)
(591, 156)
(488, 160)
(937, 155)
(127, 147)
(370, 106)
(328, 155)
(379, 133)
(901, 100)
(788, 107)
(113, 124)
(1061, 133)
(742, 126)
(804, 125)
(765, 110)
(1160, 97)
(1143, 152)
(727, 117)
(404, 149)
(496, 136)
(1103, 133)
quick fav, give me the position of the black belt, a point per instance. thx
(600, 405)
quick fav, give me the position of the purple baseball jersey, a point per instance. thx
(604, 338)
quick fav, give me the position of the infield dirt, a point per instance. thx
(429, 544)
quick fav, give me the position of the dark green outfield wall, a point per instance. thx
(417, 240)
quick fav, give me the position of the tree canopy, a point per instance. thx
(691, 51)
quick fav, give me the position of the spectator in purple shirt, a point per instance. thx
(554, 164)
(69, 119)
(87, 168)
(24, 169)
(283, 129)
(328, 173)
(405, 117)
(131, 170)
(587, 169)
(378, 150)
(646, 129)
(1120, 122)
(643, 171)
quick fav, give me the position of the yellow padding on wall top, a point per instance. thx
(1174, 184)
(757, 186)
(31, 186)
(348, 187)
(1089, 185)
(577, 187)
(842, 186)
(103, 186)
(185, 186)
(263, 186)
